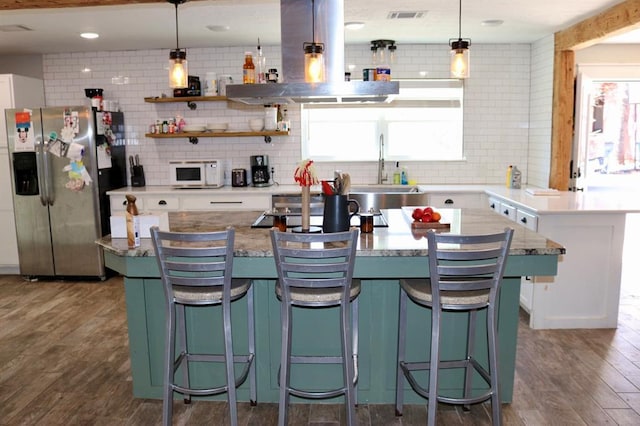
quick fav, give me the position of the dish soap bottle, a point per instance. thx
(508, 180)
(404, 178)
(396, 174)
(133, 222)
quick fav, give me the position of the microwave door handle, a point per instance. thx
(42, 190)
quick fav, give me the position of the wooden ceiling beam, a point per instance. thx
(56, 4)
(613, 21)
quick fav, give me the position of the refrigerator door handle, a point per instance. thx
(41, 172)
(48, 179)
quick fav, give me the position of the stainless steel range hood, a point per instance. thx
(295, 29)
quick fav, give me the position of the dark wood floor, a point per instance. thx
(64, 361)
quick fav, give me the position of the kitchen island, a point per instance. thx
(382, 257)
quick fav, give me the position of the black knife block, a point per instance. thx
(137, 176)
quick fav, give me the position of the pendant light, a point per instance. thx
(313, 54)
(460, 52)
(178, 69)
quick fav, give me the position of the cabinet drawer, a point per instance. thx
(119, 204)
(495, 204)
(508, 211)
(152, 203)
(527, 220)
(227, 202)
(457, 200)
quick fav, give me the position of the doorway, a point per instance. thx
(606, 150)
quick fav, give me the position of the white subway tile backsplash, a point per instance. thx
(506, 119)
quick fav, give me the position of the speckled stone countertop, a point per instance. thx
(396, 240)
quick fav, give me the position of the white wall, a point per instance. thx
(496, 119)
(26, 65)
(539, 150)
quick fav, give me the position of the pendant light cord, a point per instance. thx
(313, 21)
(460, 21)
(177, 42)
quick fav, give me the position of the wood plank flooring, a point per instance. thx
(64, 360)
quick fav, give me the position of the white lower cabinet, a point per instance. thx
(226, 202)
(150, 203)
(585, 293)
(466, 200)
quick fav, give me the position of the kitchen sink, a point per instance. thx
(385, 189)
(376, 197)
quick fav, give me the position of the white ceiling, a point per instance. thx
(152, 26)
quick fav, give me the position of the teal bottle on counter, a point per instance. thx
(404, 178)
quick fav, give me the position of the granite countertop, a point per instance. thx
(396, 240)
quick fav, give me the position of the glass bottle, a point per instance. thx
(133, 222)
(261, 72)
(248, 69)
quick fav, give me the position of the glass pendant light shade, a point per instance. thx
(313, 63)
(460, 59)
(460, 52)
(178, 69)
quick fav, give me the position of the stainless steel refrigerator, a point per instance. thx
(63, 161)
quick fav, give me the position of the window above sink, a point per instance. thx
(423, 123)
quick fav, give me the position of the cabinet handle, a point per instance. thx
(448, 201)
(523, 220)
(162, 203)
(506, 212)
(493, 205)
(225, 202)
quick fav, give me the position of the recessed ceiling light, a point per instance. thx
(492, 23)
(85, 70)
(218, 28)
(89, 35)
(354, 25)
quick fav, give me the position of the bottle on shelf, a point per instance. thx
(261, 69)
(248, 69)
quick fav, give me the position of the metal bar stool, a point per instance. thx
(196, 271)
(315, 271)
(465, 276)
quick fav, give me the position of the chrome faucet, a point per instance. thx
(382, 174)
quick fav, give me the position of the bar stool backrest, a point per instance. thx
(195, 266)
(307, 261)
(464, 264)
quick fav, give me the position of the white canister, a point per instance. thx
(222, 84)
(211, 84)
(270, 117)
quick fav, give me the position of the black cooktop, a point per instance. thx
(265, 220)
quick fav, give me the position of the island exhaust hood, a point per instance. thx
(295, 29)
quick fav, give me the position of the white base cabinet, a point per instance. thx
(586, 291)
(153, 203)
(458, 200)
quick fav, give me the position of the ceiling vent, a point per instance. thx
(13, 28)
(417, 14)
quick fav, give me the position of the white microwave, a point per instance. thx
(196, 174)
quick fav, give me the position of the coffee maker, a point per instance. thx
(260, 170)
